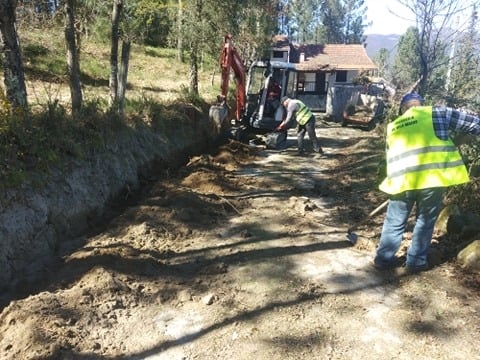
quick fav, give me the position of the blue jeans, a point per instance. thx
(428, 203)
(308, 128)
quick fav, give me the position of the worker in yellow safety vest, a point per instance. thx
(299, 112)
(422, 161)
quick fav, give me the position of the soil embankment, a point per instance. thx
(36, 220)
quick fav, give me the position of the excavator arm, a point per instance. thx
(230, 61)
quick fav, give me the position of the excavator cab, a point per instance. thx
(267, 83)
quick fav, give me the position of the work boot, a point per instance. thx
(394, 263)
(411, 270)
(318, 149)
(415, 269)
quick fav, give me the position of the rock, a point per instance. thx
(444, 218)
(469, 257)
(184, 296)
(465, 226)
(208, 299)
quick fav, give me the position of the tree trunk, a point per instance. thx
(122, 75)
(14, 75)
(193, 70)
(180, 56)
(73, 63)
(116, 12)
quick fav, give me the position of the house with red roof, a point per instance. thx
(322, 70)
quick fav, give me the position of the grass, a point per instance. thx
(48, 133)
(153, 72)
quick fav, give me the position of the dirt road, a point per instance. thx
(244, 255)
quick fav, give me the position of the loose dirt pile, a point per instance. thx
(243, 254)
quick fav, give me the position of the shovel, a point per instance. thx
(351, 236)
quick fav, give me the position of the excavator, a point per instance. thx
(258, 92)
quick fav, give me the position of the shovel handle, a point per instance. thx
(373, 213)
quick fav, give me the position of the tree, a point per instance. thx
(354, 21)
(130, 21)
(433, 21)
(123, 74)
(382, 60)
(256, 27)
(193, 38)
(332, 19)
(343, 21)
(73, 61)
(252, 23)
(14, 75)
(114, 43)
(406, 67)
(306, 18)
(179, 21)
(464, 72)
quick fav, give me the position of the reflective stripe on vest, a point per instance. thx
(417, 158)
(303, 113)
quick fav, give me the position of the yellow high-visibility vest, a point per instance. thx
(417, 158)
(303, 113)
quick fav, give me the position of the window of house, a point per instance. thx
(341, 76)
(278, 54)
(310, 82)
(306, 82)
(301, 82)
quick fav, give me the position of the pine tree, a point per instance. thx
(382, 60)
(406, 67)
(465, 70)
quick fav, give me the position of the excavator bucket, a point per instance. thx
(218, 115)
(276, 140)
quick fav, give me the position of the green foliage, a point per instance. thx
(35, 142)
(466, 195)
(157, 52)
(325, 21)
(152, 21)
(462, 195)
(464, 77)
(189, 97)
(406, 67)
(332, 20)
(44, 55)
(171, 120)
(304, 13)
(382, 60)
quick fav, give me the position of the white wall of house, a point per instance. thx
(326, 103)
(331, 78)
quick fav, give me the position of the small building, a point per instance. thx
(324, 71)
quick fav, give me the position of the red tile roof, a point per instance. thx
(334, 56)
(326, 57)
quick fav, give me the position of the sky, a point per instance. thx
(383, 21)
(390, 17)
